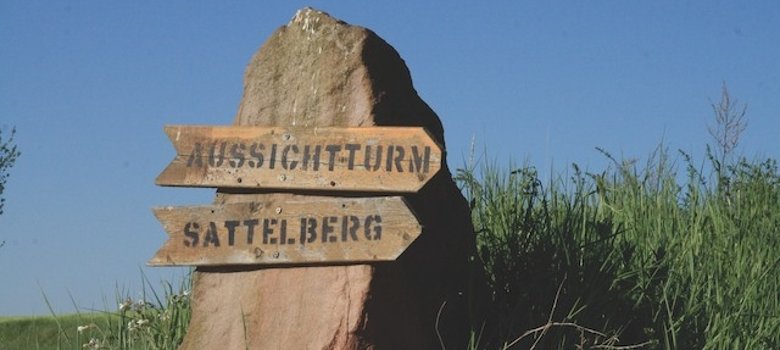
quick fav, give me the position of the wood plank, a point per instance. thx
(287, 229)
(371, 159)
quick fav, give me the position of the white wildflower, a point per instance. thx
(126, 304)
(93, 344)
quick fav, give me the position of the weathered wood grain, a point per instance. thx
(287, 229)
(370, 159)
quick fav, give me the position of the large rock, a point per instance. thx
(319, 71)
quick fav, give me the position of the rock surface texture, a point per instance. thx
(318, 71)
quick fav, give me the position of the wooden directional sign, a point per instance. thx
(371, 159)
(285, 228)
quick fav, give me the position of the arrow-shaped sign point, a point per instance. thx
(287, 229)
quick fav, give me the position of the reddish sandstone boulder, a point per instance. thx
(319, 71)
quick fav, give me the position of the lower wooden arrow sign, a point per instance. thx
(287, 229)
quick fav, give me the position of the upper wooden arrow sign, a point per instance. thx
(371, 159)
(287, 229)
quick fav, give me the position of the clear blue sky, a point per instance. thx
(90, 84)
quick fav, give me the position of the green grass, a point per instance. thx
(154, 321)
(631, 255)
(44, 332)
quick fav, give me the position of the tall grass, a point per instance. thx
(155, 321)
(632, 255)
(151, 320)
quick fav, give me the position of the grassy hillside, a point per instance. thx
(155, 321)
(47, 332)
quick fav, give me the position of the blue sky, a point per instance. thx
(90, 84)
